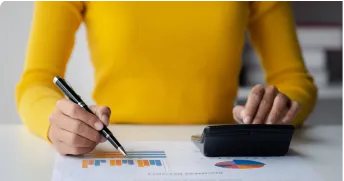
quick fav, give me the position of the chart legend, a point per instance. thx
(240, 164)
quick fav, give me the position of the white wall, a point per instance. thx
(15, 21)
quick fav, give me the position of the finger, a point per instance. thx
(291, 114)
(280, 104)
(265, 105)
(238, 113)
(102, 112)
(75, 111)
(52, 133)
(252, 103)
(75, 140)
(75, 126)
(281, 116)
(70, 150)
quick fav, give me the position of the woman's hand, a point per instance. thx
(266, 105)
(75, 131)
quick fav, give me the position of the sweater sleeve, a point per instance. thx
(50, 44)
(272, 32)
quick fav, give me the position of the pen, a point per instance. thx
(70, 93)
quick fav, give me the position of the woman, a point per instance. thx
(162, 63)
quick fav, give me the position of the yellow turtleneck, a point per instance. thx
(162, 62)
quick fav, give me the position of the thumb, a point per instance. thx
(102, 112)
(238, 112)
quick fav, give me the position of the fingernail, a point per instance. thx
(98, 125)
(105, 118)
(242, 114)
(286, 120)
(102, 139)
(247, 119)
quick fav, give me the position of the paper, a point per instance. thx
(175, 161)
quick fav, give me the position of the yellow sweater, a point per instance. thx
(161, 62)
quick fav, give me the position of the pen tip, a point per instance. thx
(120, 149)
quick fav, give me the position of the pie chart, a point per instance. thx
(240, 164)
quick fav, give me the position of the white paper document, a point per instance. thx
(176, 161)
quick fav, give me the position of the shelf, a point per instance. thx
(333, 92)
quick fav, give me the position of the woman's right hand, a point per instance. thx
(73, 130)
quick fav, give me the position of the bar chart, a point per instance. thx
(139, 159)
(120, 163)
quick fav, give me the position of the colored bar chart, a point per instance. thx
(138, 159)
(120, 163)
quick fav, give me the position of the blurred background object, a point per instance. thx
(319, 29)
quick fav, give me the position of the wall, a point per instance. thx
(15, 20)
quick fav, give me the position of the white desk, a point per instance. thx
(25, 157)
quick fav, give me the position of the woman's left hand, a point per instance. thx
(266, 105)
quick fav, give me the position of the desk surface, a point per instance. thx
(32, 159)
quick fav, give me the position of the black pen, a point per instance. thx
(71, 94)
